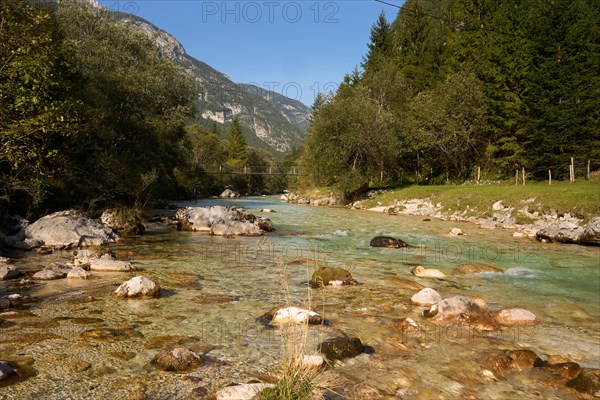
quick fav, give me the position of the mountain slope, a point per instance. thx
(270, 121)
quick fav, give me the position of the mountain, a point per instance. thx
(269, 120)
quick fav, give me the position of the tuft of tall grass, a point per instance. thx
(297, 377)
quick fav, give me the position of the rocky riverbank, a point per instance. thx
(547, 225)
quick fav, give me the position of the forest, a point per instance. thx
(92, 115)
(452, 87)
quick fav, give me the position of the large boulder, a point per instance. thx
(591, 232)
(138, 286)
(69, 229)
(9, 272)
(328, 276)
(461, 310)
(222, 221)
(123, 221)
(387, 241)
(229, 194)
(561, 232)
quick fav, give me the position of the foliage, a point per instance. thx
(91, 113)
(455, 85)
(237, 149)
(37, 113)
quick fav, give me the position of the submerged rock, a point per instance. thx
(462, 310)
(387, 241)
(246, 391)
(341, 347)
(329, 276)
(475, 268)
(138, 286)
(178, 359)
(69, 229)
(422, 272)
(222, 221)
(516, 316)
(512, 360)
(588, 381)
(426, 297)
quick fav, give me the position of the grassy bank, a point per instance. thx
(580, 198)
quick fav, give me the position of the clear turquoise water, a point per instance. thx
(559, 283)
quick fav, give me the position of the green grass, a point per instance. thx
(581, 198)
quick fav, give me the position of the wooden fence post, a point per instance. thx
(549, 177)
(523, 175)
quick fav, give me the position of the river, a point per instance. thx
(558, 283)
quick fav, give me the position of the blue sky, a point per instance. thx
(293, 47)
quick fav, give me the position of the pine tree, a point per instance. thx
(237, 149)
(380, 46)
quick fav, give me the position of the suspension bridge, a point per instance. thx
(251, 170)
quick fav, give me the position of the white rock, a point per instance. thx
(78, 273)
(48, 275)
(426, 297)
(488, 224)
(242, 392)
(427, 272)
(518, 234)
(138, 286)
(69, 228)
(267, 210)
(498, 206)
(107, 263)
(293, 315)
(516, 316)
(313, 360)
(455, 232)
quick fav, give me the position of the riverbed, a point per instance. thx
(214, 288)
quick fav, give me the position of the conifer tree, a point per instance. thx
(237, 149)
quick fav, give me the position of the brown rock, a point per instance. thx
(471, 269)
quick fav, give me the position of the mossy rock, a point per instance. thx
(326, 276)
(388, 241)
(341, 348)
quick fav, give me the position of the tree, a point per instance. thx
(380, 45)
(449, 124)
(237, 149)
(37, 114)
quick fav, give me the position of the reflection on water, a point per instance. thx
(83, 343)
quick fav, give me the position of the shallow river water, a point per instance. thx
(558, 283)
